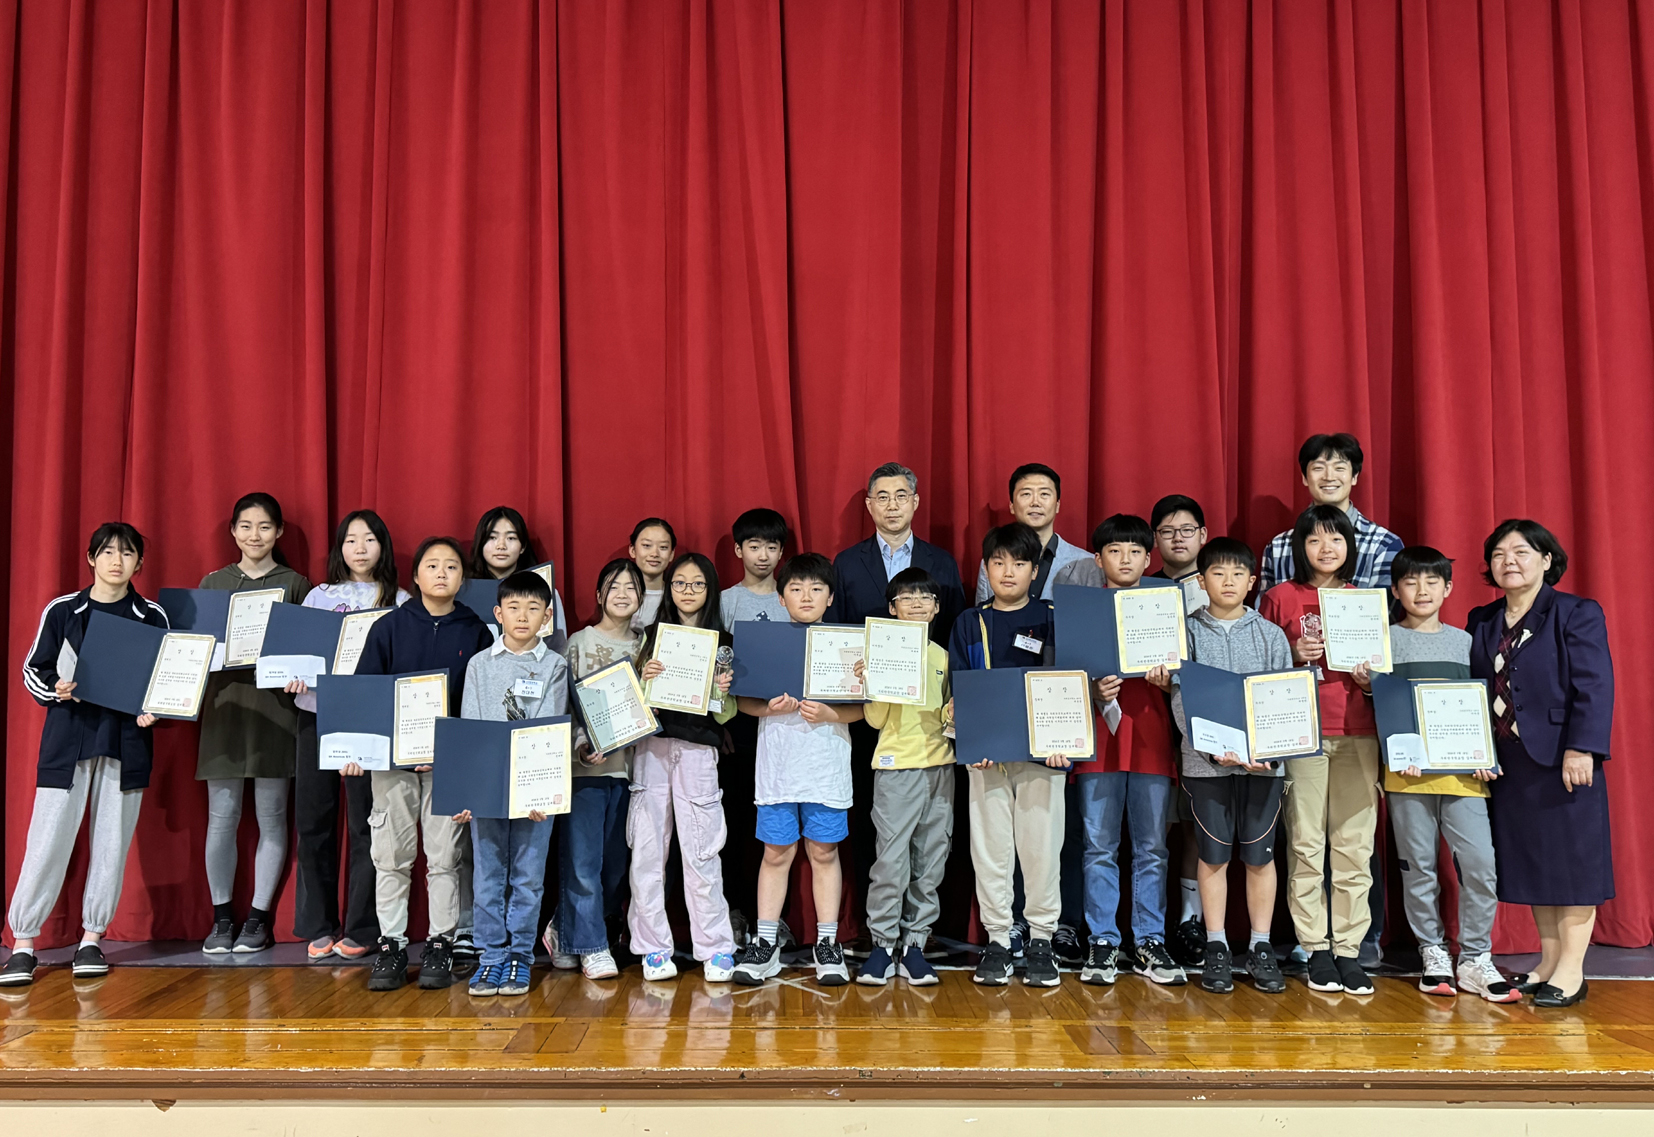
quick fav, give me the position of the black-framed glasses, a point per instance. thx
(1184, 531)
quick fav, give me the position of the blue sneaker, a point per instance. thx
(487, 980)
(916, 969)
(876, 969)
(516, 977)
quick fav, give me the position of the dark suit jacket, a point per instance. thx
(862, 583)
(1562, 681)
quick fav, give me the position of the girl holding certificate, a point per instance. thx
(361, 574)
(502, 546)
(591, 840)
(248, 733)
(92, 760)
(1332, 798)
(1545, 656)
(675, 778)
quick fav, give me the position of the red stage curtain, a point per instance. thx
(607, 260)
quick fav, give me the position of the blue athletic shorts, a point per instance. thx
(781, 824)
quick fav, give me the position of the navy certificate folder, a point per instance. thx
(1219, 696)
(1087, 637)
(990, 715)
(1393, 705)
(473, 765)
(203, 610)
(482, 597)
(116, 660)
(296, 630)
(354, 704)
(769, 659)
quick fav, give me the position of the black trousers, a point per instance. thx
(316, 794)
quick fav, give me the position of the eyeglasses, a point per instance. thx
(1184, 531)
(692, 586)
(901, 497)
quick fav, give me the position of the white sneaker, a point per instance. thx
(560, 959)
(1479, 976)
(601, 965)
(719, 969)
(656, 965)
(1437, 977)
(829, 961)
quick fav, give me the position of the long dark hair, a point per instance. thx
(271, 508)
(479, 566)
(667, 613)
(620, 566)
(384, 573)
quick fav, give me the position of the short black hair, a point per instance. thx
(609, 573)
(756, 525)
(654, 523)
(430, 543)
(530, 585)
(1333, 520)
(124, 537)
(1176, 503)
(1421, 560)
(1017, 539)
(1534, 534)
(1122, 528)
(893, 470)
(1032, 469)
(1227, 551)
(809, 567)
(911, 580)
(1339, 445)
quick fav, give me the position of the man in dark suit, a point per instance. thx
(864, 570)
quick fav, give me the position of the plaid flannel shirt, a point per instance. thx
(1375, 548)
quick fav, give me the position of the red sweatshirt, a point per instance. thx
(1296, 610)
(1145, 743)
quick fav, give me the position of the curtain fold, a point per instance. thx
(604, 261)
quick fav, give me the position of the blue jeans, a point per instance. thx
(591, 845)
(508, 879)
(1144, 799)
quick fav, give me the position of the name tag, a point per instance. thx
(715, 705)
(1029, 643)
(887, 761)
(528, 688)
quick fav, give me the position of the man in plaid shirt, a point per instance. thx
(1331, 464)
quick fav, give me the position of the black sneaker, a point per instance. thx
(255, 936)
(1102, 965)
(1188, 944)
(828, 957)
(1323, 972)
(1067, 947)
(390, 967)
(1217, 970)
(758, 961)
(1265, 970)
(1041, 967)
(19, 969)
(1152, 961)
(221, 940)
(994, 969)
(89, 962)
(1353, 977)
(436, 964)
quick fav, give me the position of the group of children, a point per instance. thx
(485, 878)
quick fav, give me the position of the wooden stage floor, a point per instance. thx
(190, 1032)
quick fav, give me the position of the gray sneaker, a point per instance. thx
(221, 940)
(255, 936)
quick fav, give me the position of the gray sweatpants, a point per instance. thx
(913, 820)
(52, 831)
(1420, 822)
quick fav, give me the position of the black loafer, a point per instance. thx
(1525, 983)
(1547, 995)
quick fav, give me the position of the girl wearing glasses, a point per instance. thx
(675, 777)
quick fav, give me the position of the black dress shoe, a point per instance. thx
(1525, 983)
(1548, 995)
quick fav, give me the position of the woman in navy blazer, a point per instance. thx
(1545, 656)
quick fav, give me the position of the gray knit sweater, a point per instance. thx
(1246, 646)
(490, 676)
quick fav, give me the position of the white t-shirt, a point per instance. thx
(645, 614)
(801, 762)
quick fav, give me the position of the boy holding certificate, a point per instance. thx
(591, 842)
(1236, 803)
(518, 678)
(912, 800)
(1130, 781)
(1016, 807)
(429, 632)
(803, 790)
(92, 760)
(1426, 808)
(1332, 798)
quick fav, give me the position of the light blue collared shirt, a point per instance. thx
(897, 559)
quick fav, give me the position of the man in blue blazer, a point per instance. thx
(865, 568)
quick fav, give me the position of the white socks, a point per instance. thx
(1191, 900)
